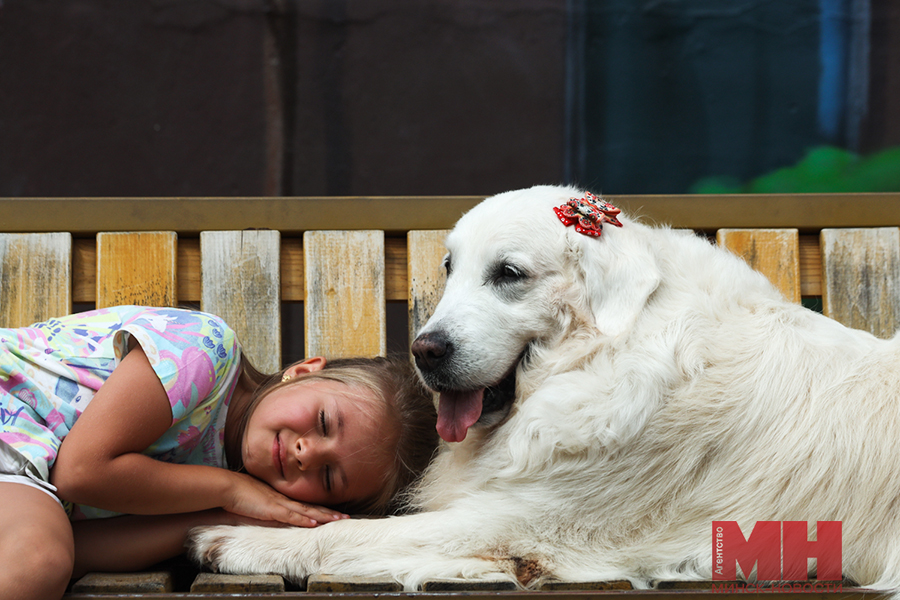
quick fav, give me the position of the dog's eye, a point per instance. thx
(507, 273)
(447, 264)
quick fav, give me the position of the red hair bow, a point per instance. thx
(588, 214)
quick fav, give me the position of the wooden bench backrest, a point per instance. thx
(346, 277)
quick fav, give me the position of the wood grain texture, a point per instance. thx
(810, 266)
(773, 252)
(241, 282)
(329, 584)
(425, 275)
(149, 582)
(223, 583)
(136, 268)
(345, 298)
(35, 277)
(861, 278)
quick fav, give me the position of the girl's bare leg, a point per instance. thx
(37, 550)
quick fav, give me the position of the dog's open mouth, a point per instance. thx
(459, 410)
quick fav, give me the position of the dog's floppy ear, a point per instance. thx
(620, 272)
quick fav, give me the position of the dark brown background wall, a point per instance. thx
(380, 97)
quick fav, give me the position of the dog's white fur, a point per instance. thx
(668, 385)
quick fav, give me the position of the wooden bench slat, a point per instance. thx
(241, 282)
(594, 586)
(773, 252)
(425, 275)
(150, 582)
(324, 583)
(469, 585)
(861, 278)
(35, 277)
(345, 301)
(136, 268)
(697, 585)
(220, 583)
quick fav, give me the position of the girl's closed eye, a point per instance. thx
(328, 478)
(327, 471)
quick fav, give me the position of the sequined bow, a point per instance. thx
(588, 214)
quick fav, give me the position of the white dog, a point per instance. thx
(609, 396)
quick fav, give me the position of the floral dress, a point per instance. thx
(50, 371)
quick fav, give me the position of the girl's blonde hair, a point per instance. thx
(406, 402)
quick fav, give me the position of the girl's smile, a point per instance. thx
(278, 451)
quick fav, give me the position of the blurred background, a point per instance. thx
(433, 97)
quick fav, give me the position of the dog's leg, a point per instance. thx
(409, 549)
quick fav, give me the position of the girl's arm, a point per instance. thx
(135, 542)
(100, 462)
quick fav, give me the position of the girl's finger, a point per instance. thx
(323, 514)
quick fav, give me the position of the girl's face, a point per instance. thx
(318, 442)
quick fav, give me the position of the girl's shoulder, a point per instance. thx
(180, 327)
(195, 354)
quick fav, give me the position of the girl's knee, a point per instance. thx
(42, 557)
(37, 547)
(40, 570)
(52, 559)
(37, 572)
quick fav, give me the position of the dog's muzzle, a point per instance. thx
(431, 351)
(459, 408)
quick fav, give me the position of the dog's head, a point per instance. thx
(518, 277)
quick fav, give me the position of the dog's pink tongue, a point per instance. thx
(457, 411)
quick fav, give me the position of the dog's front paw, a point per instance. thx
(209, 546)
(248, 550)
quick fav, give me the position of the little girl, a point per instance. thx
(153, 413)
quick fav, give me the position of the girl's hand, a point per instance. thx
(255, 499)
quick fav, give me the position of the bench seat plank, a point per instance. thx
(469, 585)
(325, 583)
(571, 586)
(149, 582)
(220, 583)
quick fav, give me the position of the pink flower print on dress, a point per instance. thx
(189, 438)
(27, 396)
(55, 419)
(189, 379)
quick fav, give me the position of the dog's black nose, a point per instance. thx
(431, 349)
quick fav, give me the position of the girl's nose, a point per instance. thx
(308, 456)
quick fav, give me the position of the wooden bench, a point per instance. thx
(351, 262)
